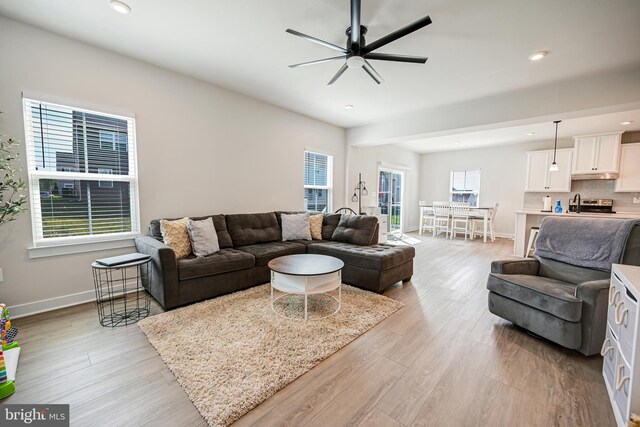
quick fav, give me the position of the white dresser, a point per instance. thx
(620, 348)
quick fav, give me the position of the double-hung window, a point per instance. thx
(318, 181)
(82, 174)
(465, 187)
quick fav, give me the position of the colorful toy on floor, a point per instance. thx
(7, 335)
(7, 332)
(8, 341)
(7, 387)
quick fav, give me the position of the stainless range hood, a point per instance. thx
(586, 176)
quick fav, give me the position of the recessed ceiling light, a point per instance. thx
(538, 55)
(531, 133)
(120, 7)
(348, 107)
(628, 122)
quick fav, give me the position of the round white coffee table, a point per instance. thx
(306, 274)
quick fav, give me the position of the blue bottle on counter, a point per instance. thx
(558, 208)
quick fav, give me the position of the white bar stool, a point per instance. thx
(441, 213)
(426, 219)
(533, 236)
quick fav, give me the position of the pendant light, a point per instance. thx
(554, 166)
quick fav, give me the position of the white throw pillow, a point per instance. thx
(295, 227)
(203, 236)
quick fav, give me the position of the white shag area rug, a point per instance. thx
(231, 353)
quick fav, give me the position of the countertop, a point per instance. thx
(620, 215)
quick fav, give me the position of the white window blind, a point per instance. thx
(318, 173)
(465, 187)
(82, 173)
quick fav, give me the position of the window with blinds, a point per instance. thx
(465, 187)
(318, 173)
(82, 173)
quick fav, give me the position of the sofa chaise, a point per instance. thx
(249, 241)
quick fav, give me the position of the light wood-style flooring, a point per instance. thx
(442, 360)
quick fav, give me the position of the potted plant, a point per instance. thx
(12, 202)
(12, 199)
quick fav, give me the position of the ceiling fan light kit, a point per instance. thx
(358, 52)
(355, 61)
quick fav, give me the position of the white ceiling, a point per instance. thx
(513, 134)
(475, 48)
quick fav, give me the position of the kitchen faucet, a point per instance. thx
(577, 196)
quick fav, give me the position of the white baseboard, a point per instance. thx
(500, 235)
(505, 235)
(30, 308)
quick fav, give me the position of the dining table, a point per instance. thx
(474, 213)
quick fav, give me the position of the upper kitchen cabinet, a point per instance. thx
(539, 178)
(596, 154)
(629, 178)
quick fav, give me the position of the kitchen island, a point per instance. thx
(527, 218)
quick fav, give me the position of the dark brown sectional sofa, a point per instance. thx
(249, 241)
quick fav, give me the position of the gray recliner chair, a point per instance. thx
(564, 303)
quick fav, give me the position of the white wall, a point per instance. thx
(502, 179)
(201, 149)
(366, 160)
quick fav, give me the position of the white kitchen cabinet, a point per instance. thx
(561, 180)
(629, 179)
(539, 178)
(583, 154)
(537, 170)
(621, 365)
(596, 153)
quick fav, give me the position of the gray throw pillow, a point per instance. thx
(355, 229)
(329, 224)
(295, 227)
(203, 236)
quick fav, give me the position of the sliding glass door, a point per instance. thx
(390, 184)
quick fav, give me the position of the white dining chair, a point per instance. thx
(477, 224)
(441, 211)
(426, 220)
(460, 219)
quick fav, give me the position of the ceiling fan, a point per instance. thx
(357, 53)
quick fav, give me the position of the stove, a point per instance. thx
(604, 206)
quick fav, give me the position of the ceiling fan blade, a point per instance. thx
(374, 75)
(396, 58)
(420, 23)
(317, 61)
(338, 74)
(355, 23)
(315, 40)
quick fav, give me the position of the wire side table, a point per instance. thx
(121, 298)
